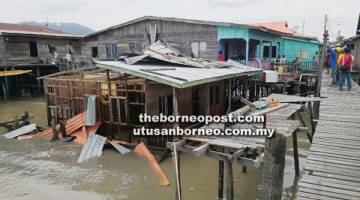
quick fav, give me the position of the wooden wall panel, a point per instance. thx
(18, 51)
(178, 33)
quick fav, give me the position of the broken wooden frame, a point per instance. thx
(268, 153)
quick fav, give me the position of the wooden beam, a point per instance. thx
(199, 151)
(296, 155)
(66, 72)
(175, 105)
(229, 179)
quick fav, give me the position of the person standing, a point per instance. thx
(221, 56)
(332, 62)
(345, 69)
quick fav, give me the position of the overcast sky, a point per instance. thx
(99, 14)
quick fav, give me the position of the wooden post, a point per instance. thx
(207, 109)
(296, 154)
(178, 195)
(229, 178)
(38, 80)
(320, 69)
(273, 167)
(311, 119)
(175, 106)
(6, 81)
(108, 81)
(221, 178)
(304, 124)
(229, 100)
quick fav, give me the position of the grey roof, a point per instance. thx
(350, 39)
(164, 52)
(190, 21)
(179, 76)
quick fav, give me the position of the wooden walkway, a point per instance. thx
(332, 169)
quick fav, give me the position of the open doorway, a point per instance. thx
(234, 49)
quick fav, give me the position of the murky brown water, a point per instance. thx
(38, 170)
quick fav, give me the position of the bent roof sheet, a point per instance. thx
(179, 77)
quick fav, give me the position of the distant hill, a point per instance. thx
(72, 28)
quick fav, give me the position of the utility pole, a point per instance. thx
(321, 67)
(303, 27)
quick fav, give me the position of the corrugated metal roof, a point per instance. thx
(92, 148)
(282, 27)
(8, 28)
(177, 76)
(171, 19)
(20, 131)
(164, 52)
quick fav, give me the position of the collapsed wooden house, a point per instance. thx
(160, 81)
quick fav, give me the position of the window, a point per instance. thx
(52, 49)
(94, 52)
(214, 95)
(166, 105)
(136, 47)
(273, 52)
(111, 50)
(198, 48)
(266, 52)
(33, 49)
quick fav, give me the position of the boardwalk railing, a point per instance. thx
(304, 66)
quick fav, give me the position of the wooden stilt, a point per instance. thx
(221, 180)
(304, 124)
(296, 155)
(38, 80)
(311, 119)
(229, 180)
(178, 195)
(273, 167)
(175, 106)
(6, 82)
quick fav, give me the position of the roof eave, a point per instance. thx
(173, 84)
(40, 35)
(190, 21)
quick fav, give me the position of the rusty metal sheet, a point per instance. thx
(92, 148)
(21, 131)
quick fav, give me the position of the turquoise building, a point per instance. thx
(271, 41)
